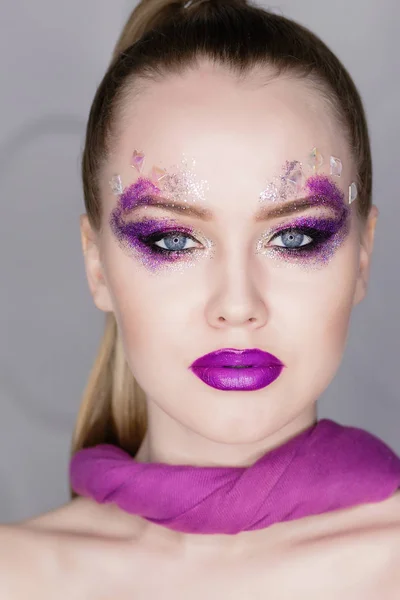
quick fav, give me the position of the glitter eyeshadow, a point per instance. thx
(137, 194)
(183, 182)
(325, 191)
(293, 178)
(326, 236)
(287, 185)
(139, 237)
(326, 233)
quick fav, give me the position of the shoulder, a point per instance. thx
(61, 554)
(74, 517)
(368, 539)
(85, 517)
(82, 515)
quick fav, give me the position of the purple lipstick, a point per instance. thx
(230, 369)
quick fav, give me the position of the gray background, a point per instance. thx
(53, 55)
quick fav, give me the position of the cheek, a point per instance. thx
(318, 310)
(151, 310)
(308, 311)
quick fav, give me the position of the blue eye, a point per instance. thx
(174, 242)
(293, 238)
(171, 243)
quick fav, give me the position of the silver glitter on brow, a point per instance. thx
(293, 178)
(184, 183)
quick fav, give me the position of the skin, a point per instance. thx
(240, 135)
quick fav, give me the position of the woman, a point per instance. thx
(228, 235)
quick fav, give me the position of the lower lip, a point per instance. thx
(231, 379)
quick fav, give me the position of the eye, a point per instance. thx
(309, 239)
(171, 243)
(174, 242)
(292, 238)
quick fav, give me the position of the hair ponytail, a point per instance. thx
(113, 407)
(152, 14)
(148, 15)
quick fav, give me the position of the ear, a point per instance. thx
(366, 247)
(93, 266)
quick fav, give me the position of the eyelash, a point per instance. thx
(150, 240)
(319, 237)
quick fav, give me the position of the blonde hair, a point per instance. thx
(161, 37)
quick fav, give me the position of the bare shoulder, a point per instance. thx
(375, 521)
(40, 563)
(80, 515)
(79, 541)
(362, 544)
(341, 551)
(85, 516)
(60, 554)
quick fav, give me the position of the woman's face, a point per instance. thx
(236, 281)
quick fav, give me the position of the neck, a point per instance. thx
(169, 442)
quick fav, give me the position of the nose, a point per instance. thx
(236, 298)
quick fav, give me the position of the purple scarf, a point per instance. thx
(326, 467)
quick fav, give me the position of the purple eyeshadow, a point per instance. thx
(139, 238)
(326, 233)
(324, 192)
(136, 236)
(137, 194)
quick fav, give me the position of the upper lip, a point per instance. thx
(231, 357)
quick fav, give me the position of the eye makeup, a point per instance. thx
(179, 181)
(156, 242)
(294, 176)
(137, 194)
(310, 241)
(324, 192)
(306, 241)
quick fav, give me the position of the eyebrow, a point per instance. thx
(205, 214)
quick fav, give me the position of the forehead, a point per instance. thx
(241, 131)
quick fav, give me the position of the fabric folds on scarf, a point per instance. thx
(326, 467)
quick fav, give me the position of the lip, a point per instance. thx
(219, 369)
